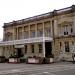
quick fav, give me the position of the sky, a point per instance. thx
(20, 9)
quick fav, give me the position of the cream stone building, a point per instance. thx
(41, 35)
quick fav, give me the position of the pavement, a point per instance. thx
(60, 68)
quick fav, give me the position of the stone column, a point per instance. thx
(74, 24)
(23, 32)
(17, 33)
(29, 31)
(51, 30)
(14, 33)
(43, 41)
(44, 48)
(63, 47)
(69, 29)
(70, 46)
(55, 28)
(43, 31)
(35, 30)
(1, 51)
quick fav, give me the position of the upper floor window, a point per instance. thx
(8, 36)
(65, 33)
(20, 35)
(26, 34)
(47, 32)
(66, 30)
(32, 34)
(40, 33)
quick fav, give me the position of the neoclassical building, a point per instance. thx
(41, 35)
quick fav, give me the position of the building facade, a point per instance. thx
(41, 35)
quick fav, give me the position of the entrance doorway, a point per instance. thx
(48, 49)
(19, 52)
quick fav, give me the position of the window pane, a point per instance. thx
(20, 36)
(40, 33)
(32, 33)
(26, 34)
(47, 32)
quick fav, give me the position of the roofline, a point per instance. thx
(42, 16)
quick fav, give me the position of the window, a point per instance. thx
(25, 48)
(40, 48)
(32, 33)
(71, 29)
(66, 30)
(66, 46)
(20, 33)
(32, 48)
(47, 32)
(40, 33)
(20, 36)
(8, 36)
(65, 33)
(26, 34)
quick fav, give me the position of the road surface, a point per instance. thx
(62, 68)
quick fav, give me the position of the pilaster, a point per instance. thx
(36, 30)
(29, 31)
(23, 32)
(55, 28)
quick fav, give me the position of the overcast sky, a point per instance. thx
(20, 9)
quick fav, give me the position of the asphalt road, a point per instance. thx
(64, 68)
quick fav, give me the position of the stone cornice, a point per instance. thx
(42, 16)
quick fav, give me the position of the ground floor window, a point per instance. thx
(40, 48)
(32, 48)
(67, 47)
(25, 48)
